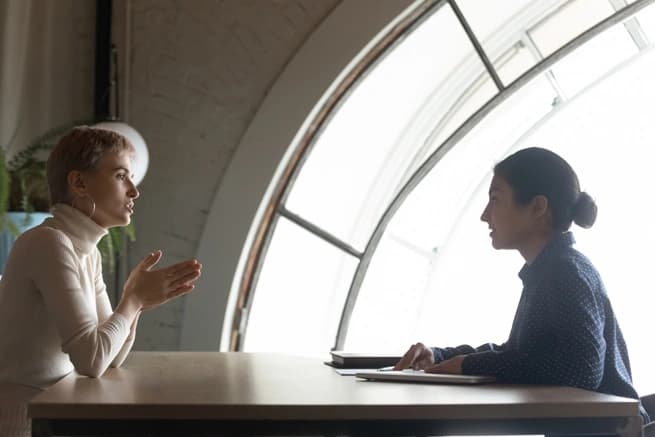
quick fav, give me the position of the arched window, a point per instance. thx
(376, 241)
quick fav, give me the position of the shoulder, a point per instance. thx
(45, 239)
(572, 264)
(571, 275)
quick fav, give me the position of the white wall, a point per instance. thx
(197, 72)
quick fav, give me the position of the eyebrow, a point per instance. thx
(131, 174)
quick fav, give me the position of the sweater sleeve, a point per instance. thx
(443, 354)
(104, 310)
(561, 341)
(91, 344)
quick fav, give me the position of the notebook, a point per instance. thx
(421, 376)
(355, 360)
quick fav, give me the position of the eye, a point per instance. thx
(121, 176)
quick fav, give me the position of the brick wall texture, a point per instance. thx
(199, 69)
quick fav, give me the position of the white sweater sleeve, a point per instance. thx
(90, 343)
(103, 307)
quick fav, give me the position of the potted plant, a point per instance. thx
(25, 201)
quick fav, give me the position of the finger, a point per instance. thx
(174, 275)
(179, 279)
(433, 369)
(179, 291)
(151, 260)
(145, 261)
(175, 269)
(402, 363)
(408, 359)
(189, 277)
(424, 363)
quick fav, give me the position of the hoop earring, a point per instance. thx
(93, 208)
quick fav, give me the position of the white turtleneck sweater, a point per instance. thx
(55, 315)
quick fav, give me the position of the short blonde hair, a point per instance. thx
(80, 149)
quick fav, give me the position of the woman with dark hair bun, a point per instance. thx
(564, 330)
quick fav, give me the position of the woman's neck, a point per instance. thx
(534, 246)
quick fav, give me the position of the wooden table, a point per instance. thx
(212, 393)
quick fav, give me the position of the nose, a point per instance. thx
(133, 192)
(485, 214)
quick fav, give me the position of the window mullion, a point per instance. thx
(477, 46)
(319, 232)
(536, 53)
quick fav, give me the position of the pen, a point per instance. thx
(385, 369)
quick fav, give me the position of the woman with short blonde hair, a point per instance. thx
(55, 314)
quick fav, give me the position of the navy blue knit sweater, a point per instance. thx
(564, 330)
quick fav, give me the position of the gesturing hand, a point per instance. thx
(419, 356)
(152, 287)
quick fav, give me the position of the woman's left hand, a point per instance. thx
(452, 366)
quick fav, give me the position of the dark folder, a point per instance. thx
(355, 360)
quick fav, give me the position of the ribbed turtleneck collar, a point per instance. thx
(83, 232)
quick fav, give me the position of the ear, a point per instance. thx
(76, 183)
(540, 206)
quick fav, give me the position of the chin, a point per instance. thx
(498, 245)
(119, 222)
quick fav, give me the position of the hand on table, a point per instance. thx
(452, 366)
(417, 357)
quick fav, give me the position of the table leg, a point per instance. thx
(633, 427)
(41, 428)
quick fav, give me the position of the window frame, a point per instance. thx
(276, 205)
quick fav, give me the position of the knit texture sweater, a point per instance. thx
(55, 314)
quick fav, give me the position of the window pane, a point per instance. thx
(501, 24)
(362, 155)
(608, 135)
(646, 19)
(445, 278)
(516, 62)
(300, 294)
(594, 59)
(390, 301)
(444, 122)
(567, 22)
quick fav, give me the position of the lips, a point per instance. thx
(130, 207)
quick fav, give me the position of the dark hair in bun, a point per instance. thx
(585, 211)
(535, 171)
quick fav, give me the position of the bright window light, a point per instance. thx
(356, 163)
(297, 307)
(433, 276)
